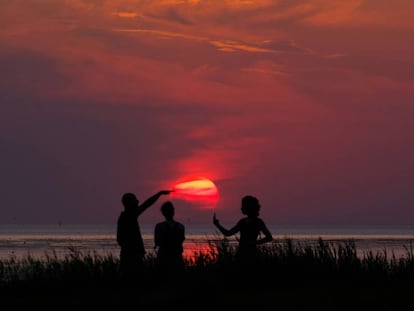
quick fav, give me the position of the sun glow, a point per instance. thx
(200, 189)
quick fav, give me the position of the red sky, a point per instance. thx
(306, 104)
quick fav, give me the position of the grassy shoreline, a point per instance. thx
(288, 276)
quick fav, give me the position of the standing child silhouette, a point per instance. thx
(249, 227)
(169, 236)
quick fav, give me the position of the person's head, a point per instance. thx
(250, 206)
(130, 201)
(167, 209)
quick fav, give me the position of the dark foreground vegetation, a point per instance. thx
(288, 276)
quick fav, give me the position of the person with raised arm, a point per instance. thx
(128, 234)
(250, 229)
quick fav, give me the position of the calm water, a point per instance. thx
(37, 240)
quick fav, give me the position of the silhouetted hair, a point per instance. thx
(250, 205)
(128, 199)
(167, 209)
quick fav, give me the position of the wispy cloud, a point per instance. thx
(224, 45)
(161, 33)
(231, 46)
(126, 14)
(268, 71)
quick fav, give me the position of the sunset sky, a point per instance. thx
(306, 104)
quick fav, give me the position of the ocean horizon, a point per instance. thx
(36, 240)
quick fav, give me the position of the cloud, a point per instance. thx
(126, 14)
(231, 46)
(363, 13)
(226, 45)
(266, 70)
(288, 46)
(163, 34)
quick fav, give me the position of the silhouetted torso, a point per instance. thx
(169, 236)
(250, 228)
(129, 233)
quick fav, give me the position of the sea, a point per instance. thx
(18, 241)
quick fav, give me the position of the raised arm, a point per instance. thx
(223, 230)
(151, 200)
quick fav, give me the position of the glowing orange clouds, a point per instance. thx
(201, 189)
(126, 14)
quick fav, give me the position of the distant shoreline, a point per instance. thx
(38, 239)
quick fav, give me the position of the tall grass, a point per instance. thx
(50, 269)
(283, 260)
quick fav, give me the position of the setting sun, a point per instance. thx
(197, 189)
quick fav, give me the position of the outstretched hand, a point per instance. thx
(215, 220)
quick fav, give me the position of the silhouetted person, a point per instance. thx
(169, 236)
(250, 229)
(129, 236)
